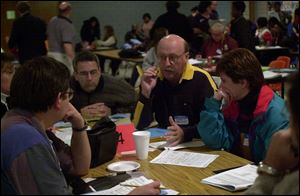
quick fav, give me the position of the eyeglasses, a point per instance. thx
(70, 94)
(173, 58)
(86, 73)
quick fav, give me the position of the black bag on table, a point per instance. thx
(129, 53)
(103, 139)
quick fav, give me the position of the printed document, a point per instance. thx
(127, 186)
(181, 158)
(235, 179)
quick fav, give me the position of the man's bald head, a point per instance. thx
(175, 39)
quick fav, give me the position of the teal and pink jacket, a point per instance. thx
(219, 129)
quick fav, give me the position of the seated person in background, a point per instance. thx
(219, 42)
(283, 154)
(39, 97)
(252, 113)
(109, 40)
(278, 31)
(174, 92)
(89, 32)
(7, 73)
(96, 94)
(263, 35)
(134, 34)
(150, 58)
(133, 39)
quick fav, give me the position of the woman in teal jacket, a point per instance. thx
(252, 113)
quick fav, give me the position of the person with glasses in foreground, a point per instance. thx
(30, 161)
(279, 172)
(174, 91)
(96, 94)
(39, 97)
(244, 113)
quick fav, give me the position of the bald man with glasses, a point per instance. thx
(174, 91)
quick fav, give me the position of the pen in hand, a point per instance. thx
(132, 185)
(92, 188)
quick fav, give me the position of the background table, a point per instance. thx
(114, 54)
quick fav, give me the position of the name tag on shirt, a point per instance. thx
(181, 120)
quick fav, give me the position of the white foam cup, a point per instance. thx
(141, 140)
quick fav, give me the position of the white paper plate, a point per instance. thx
(123, 166)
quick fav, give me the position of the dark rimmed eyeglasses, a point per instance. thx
(173, 58)
(70, 94)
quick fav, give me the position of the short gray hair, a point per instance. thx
(218, 26)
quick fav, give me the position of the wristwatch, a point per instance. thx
(84, 128)
(266, 169)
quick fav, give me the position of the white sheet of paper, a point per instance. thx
(270, 74)
(197, 143)
(140, 181)
(65, 134)
(181, 158)
(116, 190)
(122, 189)
(197, 61)
(235, 179)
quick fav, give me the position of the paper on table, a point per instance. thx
(197, 143)
(121, 118)
(139, 181)
(235, 179)
(189, 159)
(126, 143)
(122, 189)
(197, 62)
(116, 190)
(62, 124)
(157, 132)
(65, 134)
(267, 47)
(270, 74)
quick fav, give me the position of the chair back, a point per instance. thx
(286, 59)
(278, 64)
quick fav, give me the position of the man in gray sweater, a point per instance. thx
(97, 94)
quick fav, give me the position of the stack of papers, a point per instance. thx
(189, 159)
(234, 180)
